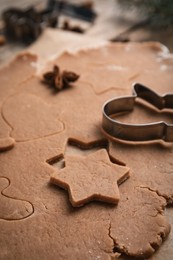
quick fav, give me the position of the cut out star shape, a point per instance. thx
(93, 177)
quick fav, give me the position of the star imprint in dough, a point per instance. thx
(93, 177)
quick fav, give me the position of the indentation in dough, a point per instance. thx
(11, 78)
(30, 117)
(17, 71)
(144, 113)
(76, 147)
(6, 142)
(13, 208)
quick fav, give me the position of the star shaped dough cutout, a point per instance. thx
(89, 178)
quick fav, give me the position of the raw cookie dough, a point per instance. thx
(136, 226)
(6, 142)
(118, 66)
(87, 179)
(78, 107)
(11, 76)
(21, 106)
(12, 208)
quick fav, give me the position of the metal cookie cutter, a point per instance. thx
(137, 132)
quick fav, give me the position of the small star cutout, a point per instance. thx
(89, 178)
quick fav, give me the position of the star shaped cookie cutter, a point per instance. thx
(137, 132)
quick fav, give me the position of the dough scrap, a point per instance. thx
(145, 227)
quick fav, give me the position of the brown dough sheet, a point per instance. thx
(54, 229)
(11, 76)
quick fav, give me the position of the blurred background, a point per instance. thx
(22, 22)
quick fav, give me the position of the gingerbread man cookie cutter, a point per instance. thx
(137, 132)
